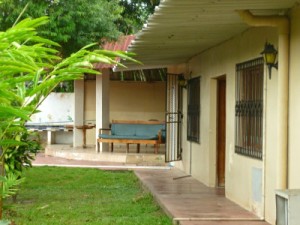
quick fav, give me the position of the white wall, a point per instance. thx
(57, 108)
(243, 174)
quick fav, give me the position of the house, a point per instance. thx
(234, 124)
(238, 118)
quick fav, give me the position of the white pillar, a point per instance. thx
(102, 105)
(78, 112)
(50, 137)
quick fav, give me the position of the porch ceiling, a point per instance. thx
(178, 30)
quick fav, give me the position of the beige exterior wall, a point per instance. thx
(128, 101)
(245, 183)
(137, 101)
(294, 106)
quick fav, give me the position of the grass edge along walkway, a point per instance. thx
(77, 196)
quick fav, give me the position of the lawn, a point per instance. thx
(77, 196)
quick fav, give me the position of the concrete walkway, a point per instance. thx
(183, 198)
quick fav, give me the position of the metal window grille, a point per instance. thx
(193, 118)
(249, 108)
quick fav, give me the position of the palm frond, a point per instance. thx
(10, 184)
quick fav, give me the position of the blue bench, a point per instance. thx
(133, 132)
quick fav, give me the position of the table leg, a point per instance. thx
(84, 137)
(138, 148)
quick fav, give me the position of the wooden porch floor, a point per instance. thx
(189, 202)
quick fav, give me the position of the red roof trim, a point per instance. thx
(120, 45)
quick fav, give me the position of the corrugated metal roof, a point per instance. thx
(141, 75)
(145, 75)
(178, 30)
(120, 45)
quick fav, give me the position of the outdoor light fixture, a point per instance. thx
(182, 81)
(270, 55)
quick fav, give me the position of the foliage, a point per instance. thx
(73, 23)
(76, 23)
(135, 14)
(10, 184)
(66, 86)
(83, 196)
(30, 68)
(19, 157)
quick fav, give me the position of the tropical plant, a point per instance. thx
(30, 68)
(18, 157)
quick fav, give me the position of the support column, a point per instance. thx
(78, 112)
(102, 106)
(50, 137)
(283, 105)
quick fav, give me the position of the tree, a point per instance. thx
(29, 70)
(135, 14)
(72, 23)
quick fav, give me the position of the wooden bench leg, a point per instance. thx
(127, 145)
(112, 147)
(138, 148)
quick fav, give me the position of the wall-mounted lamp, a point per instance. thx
(270, 55)
(182, 81)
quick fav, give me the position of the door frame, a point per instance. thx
(221, 132)
(173, 119)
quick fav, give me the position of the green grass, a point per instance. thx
(77, 196)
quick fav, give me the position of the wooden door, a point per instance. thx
(221, 131)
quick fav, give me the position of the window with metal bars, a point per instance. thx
(193, 118)
(249, 108)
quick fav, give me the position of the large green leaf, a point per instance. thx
(11, 143)
(9, 111)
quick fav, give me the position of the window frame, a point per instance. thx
(249, 101)
(193, 109)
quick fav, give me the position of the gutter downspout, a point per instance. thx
(283, 25)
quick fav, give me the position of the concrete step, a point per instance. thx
(146, 159)
(89, 153)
